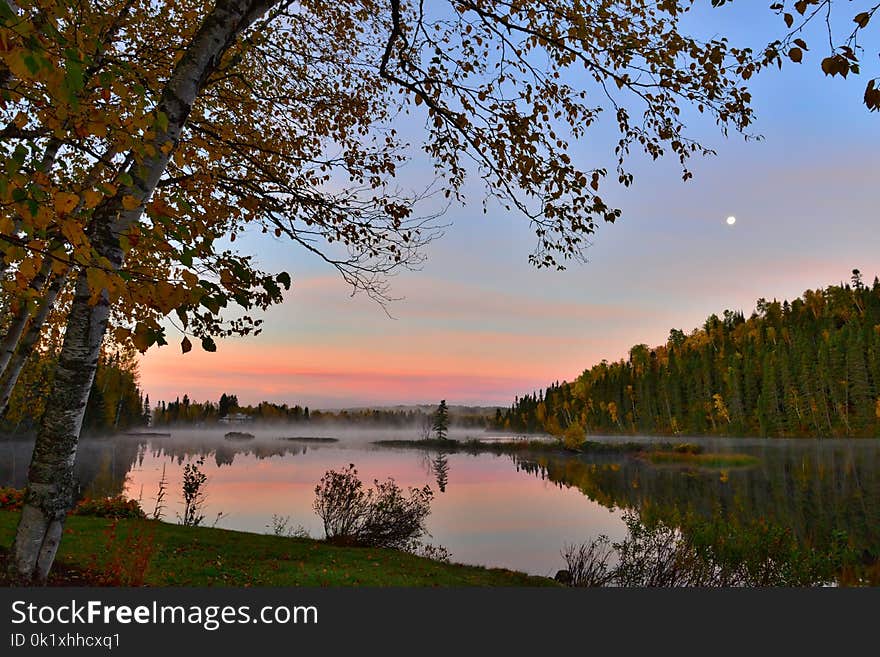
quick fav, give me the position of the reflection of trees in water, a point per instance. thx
(440, 469)
(103, 464)
(816, 492)
(223, 451)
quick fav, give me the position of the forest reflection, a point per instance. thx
(821, 501)
(819, 498)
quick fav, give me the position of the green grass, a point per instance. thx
(658, 453)
(708, 460)
(474, 446)
(508, 446)
(92, 551)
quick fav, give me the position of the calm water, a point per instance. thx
(497, 510)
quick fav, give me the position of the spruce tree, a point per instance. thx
(441, 421)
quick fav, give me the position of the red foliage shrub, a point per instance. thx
(109, 507)
(126, 557)
(11, 499)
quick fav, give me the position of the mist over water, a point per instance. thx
(511, 510)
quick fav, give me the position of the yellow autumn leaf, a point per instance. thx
(140, 338)
(165, 298)
(15, 61)
(227, 280)
(91, 198)
(121, 334)
(28, 269)
(43, 217)
(97, 128)
(65, 202)
(58, 265)
(189, 278)
(74, 233)
(97, 280)
(130, 202)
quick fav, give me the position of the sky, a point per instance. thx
(478, 325)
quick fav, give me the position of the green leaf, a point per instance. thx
(208, 344)
(19, 155)
(32, 64)
(74, 79)
(284, 279)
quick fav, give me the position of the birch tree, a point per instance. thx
(137, 136)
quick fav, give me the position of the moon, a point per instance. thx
(731, 220)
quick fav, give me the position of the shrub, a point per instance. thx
(126, 556)
(574, 436)
(11, 499)
(429, 551)
(194, 481)
(381, 517)
(587, 563)
(281, 527)
(704, 553)
(109, 507)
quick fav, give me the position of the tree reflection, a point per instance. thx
(440, 470)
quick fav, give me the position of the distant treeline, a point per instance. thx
(115, 403)
(806, 368)
(185, 411)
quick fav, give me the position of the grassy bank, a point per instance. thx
(141, 552)
(657, 453)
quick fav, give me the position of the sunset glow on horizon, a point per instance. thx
(479, 325)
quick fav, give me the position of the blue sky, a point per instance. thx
(478, 324)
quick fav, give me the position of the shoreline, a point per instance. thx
(107, 552)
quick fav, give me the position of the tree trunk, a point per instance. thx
(19, 322)
(28, 342)
(50, 477)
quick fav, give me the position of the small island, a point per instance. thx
(238, 435)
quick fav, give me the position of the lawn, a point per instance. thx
(142, 552)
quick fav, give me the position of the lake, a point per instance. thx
(511, 510)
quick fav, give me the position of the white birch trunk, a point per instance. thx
(19, 322)
(27, 343)
(50, 477)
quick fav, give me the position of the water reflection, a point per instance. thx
(440, 469)
(514, 511)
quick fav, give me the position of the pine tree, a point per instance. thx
(441, 421)
(810, 367)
